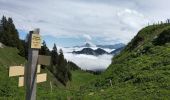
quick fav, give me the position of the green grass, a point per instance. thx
(80, 78)
(9, 89)
(9, 86)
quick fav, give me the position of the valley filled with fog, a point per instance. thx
(88, 62)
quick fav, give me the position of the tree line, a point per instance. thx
(60, 67)
(9, 35)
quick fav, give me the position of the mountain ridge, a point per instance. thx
(98, 51)
(90, 51)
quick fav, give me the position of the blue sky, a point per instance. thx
(60, 41)
(73, 22)
(68, 41)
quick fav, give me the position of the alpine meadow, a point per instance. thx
(84, 50)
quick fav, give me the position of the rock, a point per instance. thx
(91, 93)
(102, 90)
(1, 45)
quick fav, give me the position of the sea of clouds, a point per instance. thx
(88, 62)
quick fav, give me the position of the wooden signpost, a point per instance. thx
(33, 52)
(28, 74)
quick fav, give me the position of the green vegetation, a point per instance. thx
(60, 70)
(8, 86)
(59, 65)
(140, 71)
(9, 89)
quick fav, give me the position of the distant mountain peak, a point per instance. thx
(89, 44)
(89, 51)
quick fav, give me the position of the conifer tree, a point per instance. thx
(54, 60)
(44, 49)
(3, 36)
(61, 58)
(54, 55)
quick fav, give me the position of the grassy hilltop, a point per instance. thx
(140, 71)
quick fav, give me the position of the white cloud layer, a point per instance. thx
(110, 19)
(90, 62)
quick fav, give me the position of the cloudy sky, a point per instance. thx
(70, 22)
(74, 22)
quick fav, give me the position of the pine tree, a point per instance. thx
(24, 51)
(61, 58)
(3, 35)
(44, 49)
(54, 55)
(54, 60)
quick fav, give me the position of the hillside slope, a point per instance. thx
(9, 89)
(140, 71)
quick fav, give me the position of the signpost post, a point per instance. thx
(31, 69)
(28, 73)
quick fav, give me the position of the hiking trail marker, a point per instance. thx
(36, 41)
(28, 74)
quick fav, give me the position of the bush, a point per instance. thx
(163, 38)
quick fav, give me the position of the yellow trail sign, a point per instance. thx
(36, 41)
(21, 81)
(19, 70)
(40, 78)
(38, 68)
(16, 71)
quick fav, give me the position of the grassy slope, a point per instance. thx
(8, 86)
(141, 71)
(9, 89)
